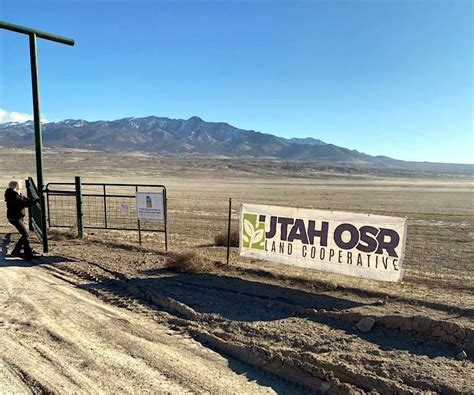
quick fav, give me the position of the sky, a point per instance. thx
(390, 78)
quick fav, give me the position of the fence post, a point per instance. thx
(165, 206)
(228, 230)
(138, 222)
(105, 205)
(80, 225)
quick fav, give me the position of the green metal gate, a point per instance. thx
(101, 206)
(37, 214)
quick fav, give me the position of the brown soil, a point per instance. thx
(103, 313)
(305, 336)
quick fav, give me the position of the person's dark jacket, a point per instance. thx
(16, 204)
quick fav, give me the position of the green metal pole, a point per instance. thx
(36, 113)
(38, 135)
(138, 223)
(30, 210)
(80, 224)
(32, 34)
(38, 33)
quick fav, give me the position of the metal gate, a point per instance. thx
(103, 206)
(36, 213)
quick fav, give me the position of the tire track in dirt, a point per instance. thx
(317, 286)
(56, 337)
(12, 382)
(219, 334)
(444, 331)
(235, 339)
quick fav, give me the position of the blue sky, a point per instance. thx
(388, 78)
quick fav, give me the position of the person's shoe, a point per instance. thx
(30, 254)
(17, 254)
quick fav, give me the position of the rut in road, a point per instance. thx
(57, 337)
(274, 328)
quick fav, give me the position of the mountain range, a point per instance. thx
(161, 135)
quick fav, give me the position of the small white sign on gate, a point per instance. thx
(125, 208)
(150, 206)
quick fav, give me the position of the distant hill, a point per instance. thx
(162, 135)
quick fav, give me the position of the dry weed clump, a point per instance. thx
(188, 262)
(220, 240)
(63, 234)
(119, 244)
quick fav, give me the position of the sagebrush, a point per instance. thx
(188, 262)
(221, 239)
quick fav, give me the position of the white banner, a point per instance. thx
(150, 206)
(359, 245)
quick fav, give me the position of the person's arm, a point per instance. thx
(24, 201)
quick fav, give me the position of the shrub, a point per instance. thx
(188, 262)
(221, 239)
(63, 234)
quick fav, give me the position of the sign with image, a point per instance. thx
(150, 206)
(358, 245)
(125, 208)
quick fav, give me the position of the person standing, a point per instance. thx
(16, 204)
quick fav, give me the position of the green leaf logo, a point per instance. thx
(253, 232)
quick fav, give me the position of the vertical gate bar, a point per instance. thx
(138, 221)
(228, 230)
(49, 212)
(80, 225)
(36, 113)
(105, 206)
(30, 210)
(44, 228)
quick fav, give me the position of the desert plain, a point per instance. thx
(104, 315)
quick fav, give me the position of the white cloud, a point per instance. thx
(12, 116)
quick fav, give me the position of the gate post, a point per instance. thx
(139, 226)
(37, 116)
(80, 225)
(165, 206)
(229, 220)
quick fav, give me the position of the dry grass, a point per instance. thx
(188, 262)
(220, 240)
(62, 234)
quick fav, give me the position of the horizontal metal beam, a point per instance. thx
(37, 33)
(108, 185)
(98, 227)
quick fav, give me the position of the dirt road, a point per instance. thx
(57, 337)
(105, 318)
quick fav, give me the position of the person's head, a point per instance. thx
(15, 185)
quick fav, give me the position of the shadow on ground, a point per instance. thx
(37, 261)
(231, 298)
(364, 293)
(9, 261)
(242, 302)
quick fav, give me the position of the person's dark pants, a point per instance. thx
(24, 241)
